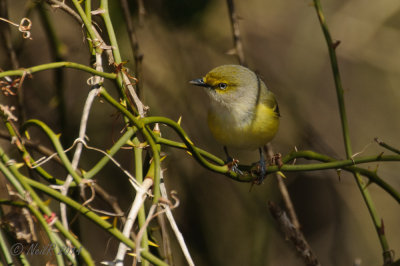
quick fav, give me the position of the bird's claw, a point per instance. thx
(262, 167)
(262, 172)
(233, 166)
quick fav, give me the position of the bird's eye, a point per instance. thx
(222, 86)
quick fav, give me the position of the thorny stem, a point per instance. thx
(139, 177)
(88, 25)
(24, 184)
(378, 222)
(38, 68)
(122, 78)
(91, 216)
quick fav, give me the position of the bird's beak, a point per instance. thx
(199, 82)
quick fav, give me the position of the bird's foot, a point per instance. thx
(233, 165)
(261, 173)
(262, 167)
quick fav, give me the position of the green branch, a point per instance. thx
(182, 134)
(387, 146)
(38, 68)
(114, 149)
(347, 165)
(114, 44)
(346, 136)
(57, 145)
(183, 146)
(88, 25)
(27, 158)
(331, 163)
(110, 30)
(138, 154)
(23, 187)
(4, 248)
(146, 132)
(93, 217)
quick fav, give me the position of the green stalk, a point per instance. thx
(139, 177)
(182, 134)
(49, 232)
(3, 245)
(13, 175)
(25, 154)
(88, 25)
(57, 145)
(346, 136)
(114, 149)
(88, 10)
(142, 127)
(387, 146)
(114, 43)
(93, 217)
(183, 146)
(38, 68)
(110, 30)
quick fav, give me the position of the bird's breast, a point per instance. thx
(240, 127)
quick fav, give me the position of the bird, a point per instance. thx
(243, 112)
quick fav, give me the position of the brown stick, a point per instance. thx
(237, 40)
(284, 192)
(294, 235)
(134, 46)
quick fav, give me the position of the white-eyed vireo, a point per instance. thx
(243, 113)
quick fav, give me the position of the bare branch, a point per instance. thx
(294, 235)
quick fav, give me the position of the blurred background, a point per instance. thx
(223, 222)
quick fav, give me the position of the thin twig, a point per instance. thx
(166, 240)
(386, 146)
(134, 47)
(123, 79)
(137, 203)
(78, 151)
(237, 40)
(143, 229)
(66, 8)
(294, 235)
(82, 132)
(111, 200)
(132, 94)
(141, 12)
(7, 42)
(6, 35)
(174, 226)
(150, 216)
(284, 192)
(34, 145)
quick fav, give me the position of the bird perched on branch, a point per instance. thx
(243, 113)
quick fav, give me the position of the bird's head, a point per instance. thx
(228, 84)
